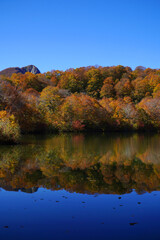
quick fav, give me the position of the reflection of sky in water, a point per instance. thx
(50, 214)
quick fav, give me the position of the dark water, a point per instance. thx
(81, 187)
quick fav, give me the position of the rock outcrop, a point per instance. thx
(9, 71)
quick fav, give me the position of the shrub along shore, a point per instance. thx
(82, 99)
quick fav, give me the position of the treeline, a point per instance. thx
(81, 99)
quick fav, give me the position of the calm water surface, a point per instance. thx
(81, 187)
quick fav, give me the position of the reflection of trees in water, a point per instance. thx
(93, 164)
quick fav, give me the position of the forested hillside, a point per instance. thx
(87, 98)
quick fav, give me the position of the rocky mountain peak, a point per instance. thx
(9, 71)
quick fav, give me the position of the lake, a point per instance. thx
(81, 186)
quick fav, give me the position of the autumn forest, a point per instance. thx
(90, 98)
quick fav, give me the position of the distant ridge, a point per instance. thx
(9, 71)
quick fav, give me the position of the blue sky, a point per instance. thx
(63, 34)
